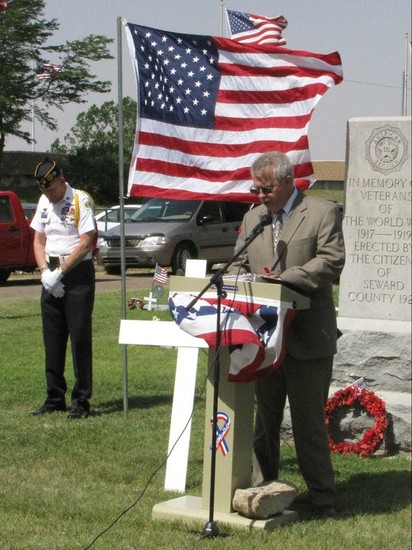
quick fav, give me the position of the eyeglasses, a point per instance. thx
(265, 189)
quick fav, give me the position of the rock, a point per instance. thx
(265, 500)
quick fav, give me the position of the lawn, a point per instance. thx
(93, 483)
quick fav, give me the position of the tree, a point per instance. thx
(31, 85)
(94, 151)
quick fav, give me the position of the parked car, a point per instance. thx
(29, 209)
(110, 217)
(168, 232)
(16, 237)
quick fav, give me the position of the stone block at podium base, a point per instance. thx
(188, 509)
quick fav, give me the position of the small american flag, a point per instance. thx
(359, 385)
(209, 106)
(45, 69)
(256, 29)
(160, 275)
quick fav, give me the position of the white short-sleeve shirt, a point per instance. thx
(59, 221)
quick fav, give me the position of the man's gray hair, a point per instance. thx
(282, 167)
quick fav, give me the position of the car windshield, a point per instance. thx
(165, 210)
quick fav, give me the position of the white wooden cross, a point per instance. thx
(150, 299)
(145, 333)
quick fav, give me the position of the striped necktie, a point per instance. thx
(277, 228)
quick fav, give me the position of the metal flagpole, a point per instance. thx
(222, 10)
(33, 136)
(406, 77)
(121, 198)
(33, 133)
(211, 529)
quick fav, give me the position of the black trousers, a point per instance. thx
(306, 384)
(70, 316)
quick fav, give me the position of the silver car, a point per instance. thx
(110, 217)
(168, 232)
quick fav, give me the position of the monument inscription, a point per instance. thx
(376, 281)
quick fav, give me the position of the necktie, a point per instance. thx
(277, 229)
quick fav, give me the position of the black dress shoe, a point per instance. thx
(325, 512)
(47, 410)
(76, 414)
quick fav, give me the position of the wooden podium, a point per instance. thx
(235, 402)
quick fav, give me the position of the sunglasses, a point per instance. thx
(266, 189)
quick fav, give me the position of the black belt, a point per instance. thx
(53, 262)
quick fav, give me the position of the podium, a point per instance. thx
(236, 403)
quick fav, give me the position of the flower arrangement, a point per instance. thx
(356, 397)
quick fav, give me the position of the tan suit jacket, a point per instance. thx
(310, 256)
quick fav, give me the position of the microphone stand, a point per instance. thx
(210, 529)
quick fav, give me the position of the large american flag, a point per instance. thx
(253, 330)
(249, 28)
(208, 106)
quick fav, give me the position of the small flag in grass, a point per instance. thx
(159, 281)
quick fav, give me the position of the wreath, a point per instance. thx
(357, 398)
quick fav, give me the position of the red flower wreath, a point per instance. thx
(353, 396)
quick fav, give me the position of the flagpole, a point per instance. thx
(33, 137)
(405, 77)
(222, 15)
(121, 199)
(33, 147)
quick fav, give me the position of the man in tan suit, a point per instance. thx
(303, 247)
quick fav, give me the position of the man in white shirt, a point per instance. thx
(64, 228)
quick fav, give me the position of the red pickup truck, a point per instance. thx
(16, 237)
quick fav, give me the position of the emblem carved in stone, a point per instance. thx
(386, 149)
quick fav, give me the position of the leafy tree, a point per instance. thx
(94, 150)
(29, 85)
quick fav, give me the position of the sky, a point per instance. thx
(370, 36)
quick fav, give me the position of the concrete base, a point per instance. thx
(189, 509)
(373, 325)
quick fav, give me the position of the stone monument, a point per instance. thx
(375, 286)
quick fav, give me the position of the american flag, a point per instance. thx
(208, 106)
(256, 29)
(359, 385)
(160, 275)
(45, 69)
(254, 332)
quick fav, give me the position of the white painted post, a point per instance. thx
(182, 408)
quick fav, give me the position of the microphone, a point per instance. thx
(264, 221)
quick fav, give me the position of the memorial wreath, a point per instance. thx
(354, 397)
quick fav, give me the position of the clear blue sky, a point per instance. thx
(368, 34)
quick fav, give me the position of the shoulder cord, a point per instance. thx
(76, 205)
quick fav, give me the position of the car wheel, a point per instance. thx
(182, 253)
(4, 275)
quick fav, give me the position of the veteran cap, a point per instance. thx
(46, 172)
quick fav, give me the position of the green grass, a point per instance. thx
(63, 483)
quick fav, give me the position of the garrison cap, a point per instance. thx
(46, 172)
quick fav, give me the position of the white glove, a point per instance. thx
(58, 290)
(50, 279)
